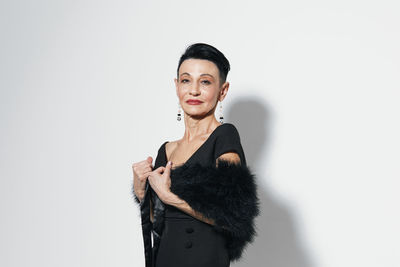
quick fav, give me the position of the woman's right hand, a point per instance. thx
(141, 171)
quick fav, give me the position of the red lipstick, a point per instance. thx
(194, 102)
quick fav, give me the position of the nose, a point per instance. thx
(195, 89)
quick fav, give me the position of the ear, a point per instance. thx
(224, 91)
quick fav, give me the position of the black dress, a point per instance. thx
(185, 240)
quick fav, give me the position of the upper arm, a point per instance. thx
(229, 156)
(228, 146)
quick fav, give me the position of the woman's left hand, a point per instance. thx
(160, 181)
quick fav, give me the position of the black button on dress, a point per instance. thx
(186, 241)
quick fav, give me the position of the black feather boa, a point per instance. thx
(227, 194)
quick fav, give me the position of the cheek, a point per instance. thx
(210, 98)
(210, 95)
(182, 91)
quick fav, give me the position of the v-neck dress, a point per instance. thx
(185, 240)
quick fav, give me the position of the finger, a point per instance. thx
(140, 171)
(147, 169)
(144, 165)
(140, 165)
(147, 174)
(149, 160)
(159, 169)
(167, 170)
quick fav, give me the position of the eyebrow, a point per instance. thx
(204, 74)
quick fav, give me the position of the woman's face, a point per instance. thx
(199, 80)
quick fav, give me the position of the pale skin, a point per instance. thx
(198, 79)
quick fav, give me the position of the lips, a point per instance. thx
(194, 102)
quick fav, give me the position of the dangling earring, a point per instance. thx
(178, 118)
(221, 118)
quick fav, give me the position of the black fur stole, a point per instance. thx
(227, 194)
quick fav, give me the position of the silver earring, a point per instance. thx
(221, 118)
(178, 118)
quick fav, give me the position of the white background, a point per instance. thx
(87, 89)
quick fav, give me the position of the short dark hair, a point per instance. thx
(208, 52)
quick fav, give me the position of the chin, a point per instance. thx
(196, 114)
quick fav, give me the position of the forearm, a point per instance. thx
(181, 204)
(139, 195)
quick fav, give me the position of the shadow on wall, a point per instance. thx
(277, 243)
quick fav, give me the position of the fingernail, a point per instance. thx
(169, 162)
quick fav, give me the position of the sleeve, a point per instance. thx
(229, 141)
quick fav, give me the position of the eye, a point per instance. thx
(206, 82)
(184, 80)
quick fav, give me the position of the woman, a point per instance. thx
(199, 202)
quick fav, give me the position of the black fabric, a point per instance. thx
(151, 229)
(228, 140)
(226, 194)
